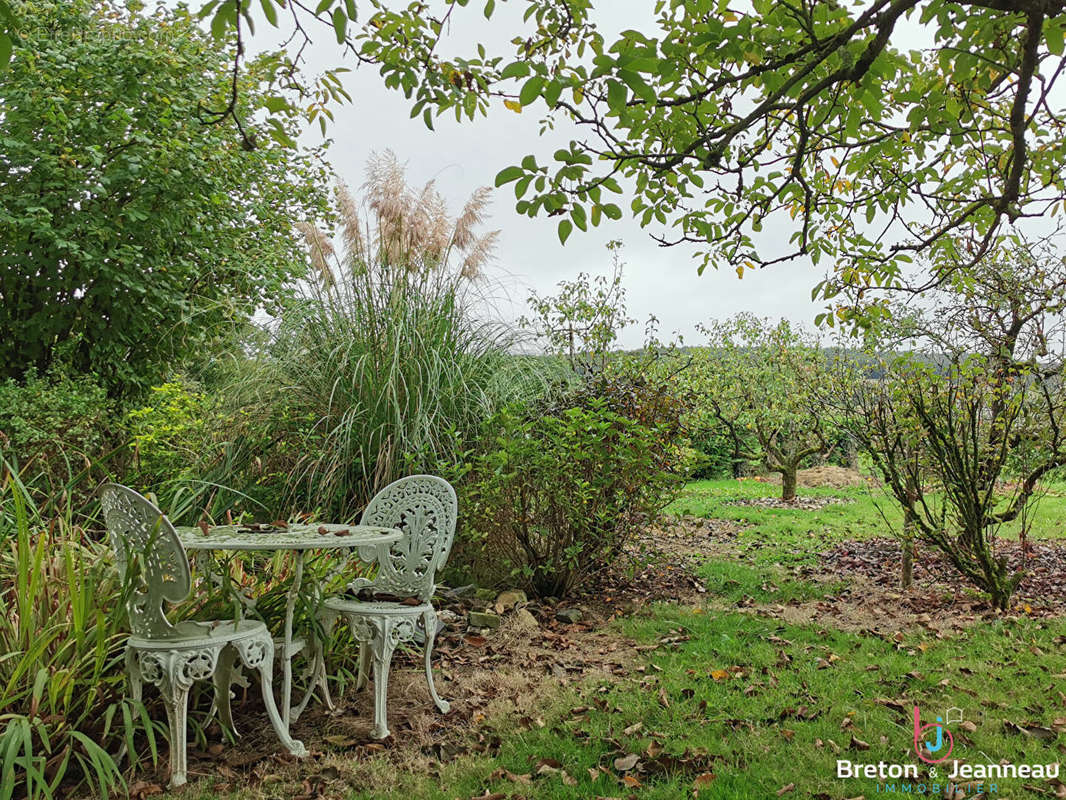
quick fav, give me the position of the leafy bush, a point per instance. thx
(167, 434)
(718, 456)
(133, 235)
(557, 488)
(54, 427)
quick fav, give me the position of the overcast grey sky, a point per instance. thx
(463, 156)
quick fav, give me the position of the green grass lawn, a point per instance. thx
(798, 534)
(788, 698)
(740, 705)
(778, 535)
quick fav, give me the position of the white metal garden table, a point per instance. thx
(299, 539)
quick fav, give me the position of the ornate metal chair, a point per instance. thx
(150, 556)
(425, 509)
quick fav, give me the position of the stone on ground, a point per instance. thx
(483, 619)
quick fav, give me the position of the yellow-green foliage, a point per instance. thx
(168, 432)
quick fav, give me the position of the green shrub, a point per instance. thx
(557, 488)
(54, 428)
(715, 457)
(133, 236)
(169, 432)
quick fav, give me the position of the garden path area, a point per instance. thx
(739, 652)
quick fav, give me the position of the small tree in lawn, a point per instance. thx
(583, 320)
(880, 425)
(979, 400)
(759, 381)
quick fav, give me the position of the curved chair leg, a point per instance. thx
(320, 677)
(222, 679)
(364, 666)
(176, 700)
(133, 674)
(260, 655)
(429, 622)
(383, 647)
(133, 671)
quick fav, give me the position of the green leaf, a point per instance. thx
(340, 24)
(270, 12)
(516, 69)
(552, 92)
(530, 90)
(275, 104)
(565, 228)
(508, 174)
(616, 95)
(5, 51)
(322, 6)
(577, 213)
(206, 9)
(221, 21)
(490, 6)
(637, 84)
(1053, 35)
(278, 133)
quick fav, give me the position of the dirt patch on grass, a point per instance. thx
(659, 564)
(1042, 590)
(803, 503)
(863, 595)
(503, 680)
(828, 476)
(869, 607)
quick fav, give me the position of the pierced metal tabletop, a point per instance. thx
(294, 537)
(300, 539)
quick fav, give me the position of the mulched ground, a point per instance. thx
(828, 475)
(1042, 591)
(487, 675)
(659, 565)
(803, 503)
(509, 674)
(505, 672)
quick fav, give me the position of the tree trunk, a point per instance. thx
(737, 460)
(853, 453)
(906, 576)
(788, 484)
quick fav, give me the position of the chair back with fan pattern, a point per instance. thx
(149, 554)
(424, 507)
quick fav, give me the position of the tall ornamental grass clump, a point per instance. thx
(63, 713)
(384, 358)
